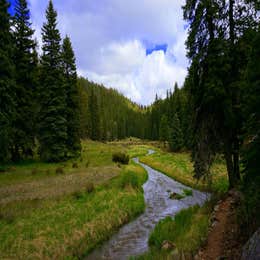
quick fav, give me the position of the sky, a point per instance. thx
(135, 46)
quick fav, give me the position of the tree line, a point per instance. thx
(39, 97)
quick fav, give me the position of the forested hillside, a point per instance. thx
(105, 114)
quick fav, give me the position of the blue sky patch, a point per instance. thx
(11, 8)
(157, 47)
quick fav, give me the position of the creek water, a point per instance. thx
(132, 238)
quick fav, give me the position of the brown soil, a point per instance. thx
(223, 240)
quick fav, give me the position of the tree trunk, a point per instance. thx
(230, 167)
(236, 158)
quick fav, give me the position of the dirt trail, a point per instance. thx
(223, 240)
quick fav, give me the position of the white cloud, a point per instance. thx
(110, 38)
(139, 77)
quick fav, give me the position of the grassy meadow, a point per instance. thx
(179, 167)
(64, 210)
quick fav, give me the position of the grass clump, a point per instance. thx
(187, 192)
(120, 158)
(187, 231)
(129, 178)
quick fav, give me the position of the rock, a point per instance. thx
(214, 223)
(251, 249)
(176, 196)
(168, 245)
(216, 208)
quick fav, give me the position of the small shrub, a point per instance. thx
(34, 171)
(120, 158)
(59, 170)
(75, 165)
(89, 187)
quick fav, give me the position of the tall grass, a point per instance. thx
(187, 231)
(67, 215)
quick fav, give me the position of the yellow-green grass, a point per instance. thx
(94, 154)
(139, 150)
(187, 231)
(72, 225)
(179, 167)
(45, 215)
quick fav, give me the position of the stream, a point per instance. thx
(132, 238)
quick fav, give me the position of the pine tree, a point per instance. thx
(72, 99)
(7, 83)
(94, 116)
(251, 153)
(176, 135)
(164, 129)
(25, 68)
(53, 123)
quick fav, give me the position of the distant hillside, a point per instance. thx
(105, 114)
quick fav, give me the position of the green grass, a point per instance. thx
(187, 231)
(94, 154)
(179, 167)
(139, 150)
(187, 192)
(56, 216)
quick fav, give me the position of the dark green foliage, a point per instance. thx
(213, 80)
(164, 129)
(176, 136)
(7, 84)
(94, 116)
(52, 120)
(25, 69)
(107, 115)
(72, 99)
(251, 153)
(120, 158)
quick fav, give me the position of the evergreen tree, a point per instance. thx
(7, 83)
(25, 79)
(251, 153)
(53, 124)
(72, 99)
(94, 116)
(176, 135)
(164, 129)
